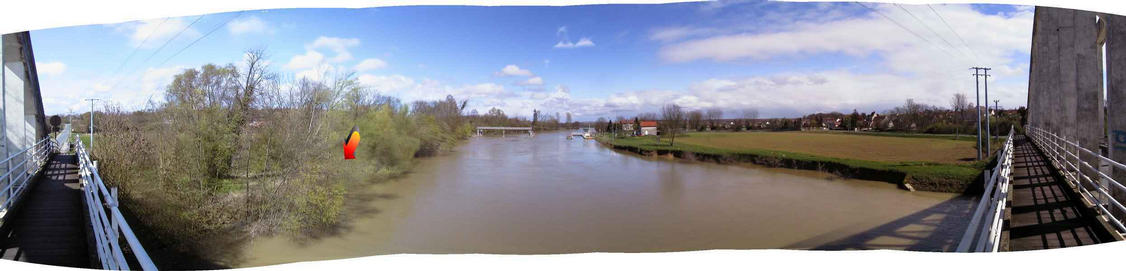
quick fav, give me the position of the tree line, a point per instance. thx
(233, 152)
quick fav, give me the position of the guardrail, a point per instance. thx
(20, 171)
(984, 231)
(1068, 157)
(105, 218)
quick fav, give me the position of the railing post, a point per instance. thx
(986, 182)
(113, 222)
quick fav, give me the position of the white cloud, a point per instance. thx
(131, 91)
(150, 34)
(154, 80)
(316, 73)
(308, 60)
(566, 44)
(904, 65)
(314, 65)
(677, 33)
(861, 36)
(339, 46)
(565, 40)
(513, 70)
(386, 83)
(249, 25)
(534, 81)
(371, 64)
(50, 68)
(481, 96)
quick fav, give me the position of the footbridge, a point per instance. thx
(482, 129)
(54, 206)
(1060, 182)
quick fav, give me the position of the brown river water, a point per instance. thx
(546, 194)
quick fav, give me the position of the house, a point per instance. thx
(648, 128)
(626, 126)
(830, 123)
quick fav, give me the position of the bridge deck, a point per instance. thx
(49, 226)
(1046, 211)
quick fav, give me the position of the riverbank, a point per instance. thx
(910, 172)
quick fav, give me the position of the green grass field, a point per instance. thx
(936, 161)
(838, 145)
(85, 139)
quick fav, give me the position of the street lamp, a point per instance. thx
(91, 150)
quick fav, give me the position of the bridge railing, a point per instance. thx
(984, 231)
(108, 224)
(1071, 160)
(22, 166)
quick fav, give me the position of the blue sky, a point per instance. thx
(781, 59)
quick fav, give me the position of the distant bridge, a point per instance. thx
(482, 129)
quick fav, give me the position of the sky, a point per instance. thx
(779, 59)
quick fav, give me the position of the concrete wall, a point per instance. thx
(22, 118)
(1065, 84)
(1116, 94)
(1088, 91)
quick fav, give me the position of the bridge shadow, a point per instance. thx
(938, 228)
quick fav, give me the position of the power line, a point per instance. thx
(201, 38)
(173, 38)
(920, 21)
(162, 47)
(964, 43)
(189, 26)
(904, 27)
(147, 36)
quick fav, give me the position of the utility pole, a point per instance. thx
(980, 72)
(91, 150)
(988, 133)
(977, 106)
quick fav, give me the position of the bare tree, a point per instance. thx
(958, 104)
(713, 115)
(673, 119)
(600, 123)
(695, 119)
(750, 113)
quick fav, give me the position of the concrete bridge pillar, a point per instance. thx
(1088, 93)
(1046, 67)
(22, 121)
(1033, 102)
(1116, 95)
(1066, 90)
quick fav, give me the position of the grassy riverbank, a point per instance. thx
(928, 164)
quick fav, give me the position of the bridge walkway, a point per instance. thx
(49, 227)
(1046, 212)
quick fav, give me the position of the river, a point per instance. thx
(546, 194)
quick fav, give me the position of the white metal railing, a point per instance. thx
(984, 231)
(1071, 161)
(109, 226)
(22, 166)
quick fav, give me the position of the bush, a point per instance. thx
(943, 128)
